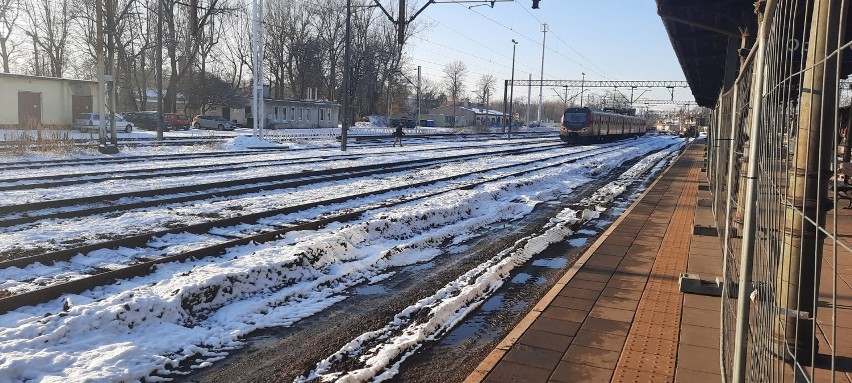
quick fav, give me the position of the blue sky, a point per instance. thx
(606, 39)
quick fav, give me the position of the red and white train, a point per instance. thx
(584, 125)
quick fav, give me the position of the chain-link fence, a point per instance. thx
(778, 156)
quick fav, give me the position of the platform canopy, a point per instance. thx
(706, 35)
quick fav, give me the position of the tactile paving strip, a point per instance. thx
(650, 352)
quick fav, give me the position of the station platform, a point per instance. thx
(618, 314)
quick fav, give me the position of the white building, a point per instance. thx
(286, 114)
(30, 100)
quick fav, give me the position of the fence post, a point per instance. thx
(797, 278)
(732, 156)
(750, 221)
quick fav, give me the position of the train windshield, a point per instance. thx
(575, 117)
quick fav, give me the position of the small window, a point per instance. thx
(322, 114)
(292, 114)
(300, 114)
(308, 114)
(329, 114)
(276, 113)
(284, 113)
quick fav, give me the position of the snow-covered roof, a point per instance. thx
(315, 102)
(491, 112)
(29, 77)
(151, 93)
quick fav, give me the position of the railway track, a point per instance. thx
(253, 162)
(104, 275)
(26, 213)
(357, 141)
(43, 164)
(209, 287)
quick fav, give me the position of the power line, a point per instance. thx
(536, 42)
(441, 70)
(467, 53)
(602, 72)
(478, 43)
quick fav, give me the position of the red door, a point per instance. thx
(29, 109)
(80, 105)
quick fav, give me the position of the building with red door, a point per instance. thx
(32, 100)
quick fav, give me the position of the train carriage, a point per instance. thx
(585, 125)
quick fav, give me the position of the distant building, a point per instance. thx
(45, 100)
(468, 115)
(285, 114)
(151, 97)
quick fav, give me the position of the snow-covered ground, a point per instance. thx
(196, 311)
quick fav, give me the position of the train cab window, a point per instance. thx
(575, 117)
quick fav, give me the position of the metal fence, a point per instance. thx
(777, 158)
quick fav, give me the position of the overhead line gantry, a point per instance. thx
(602, 84)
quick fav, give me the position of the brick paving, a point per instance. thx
(617, 315)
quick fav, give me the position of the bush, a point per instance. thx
(33, 136)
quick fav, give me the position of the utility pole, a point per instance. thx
(565, 100)
(99, 46)
(544, 30)
(257, 56)
(512, 92)
(344, 127)
(110, 67)
(159, 66)
(529, 99)
(390, 77)
(418, 96)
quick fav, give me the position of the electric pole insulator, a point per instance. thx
(535, 4)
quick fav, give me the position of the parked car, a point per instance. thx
(145, 120)
(212, 122)
(91, 121)
(177, 121)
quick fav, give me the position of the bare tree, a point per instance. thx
(330, 24)
(289, 33)
(235, 51)
(454, 74)
(431, 95)
(485, 87)
(9, 12)
(211, 91)
(49, 28)
(187, 33)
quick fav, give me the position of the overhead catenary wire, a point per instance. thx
(479, 43)
(602, 71)
(535, 42)
(469, 54)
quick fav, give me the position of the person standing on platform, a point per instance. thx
(397, 135)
